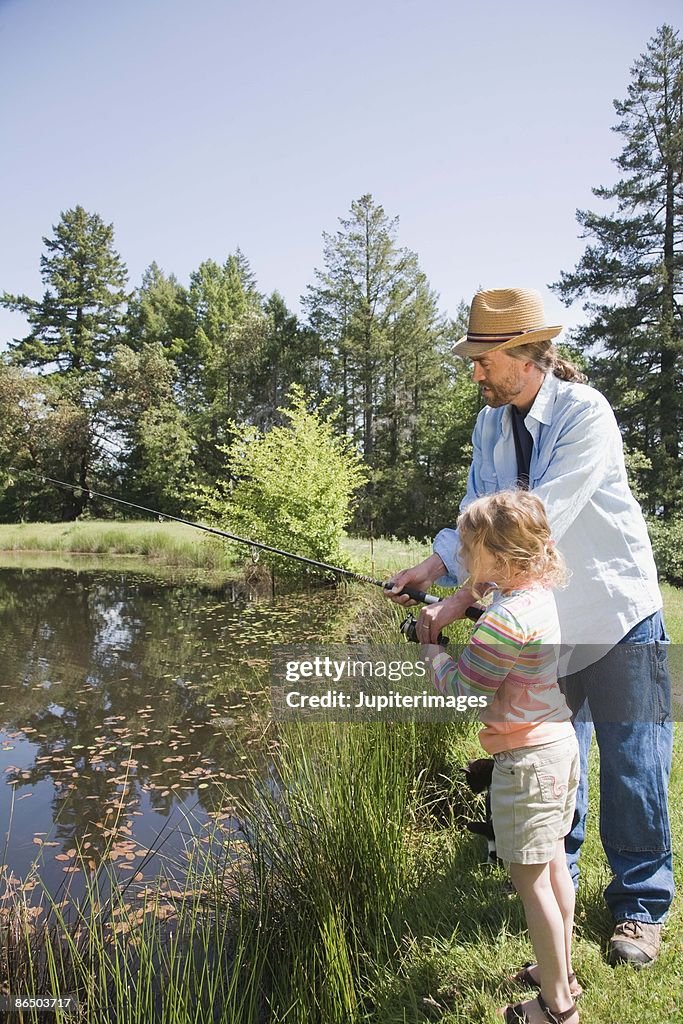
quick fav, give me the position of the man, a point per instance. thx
(543, 428)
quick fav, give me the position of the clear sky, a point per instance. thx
(197, 127)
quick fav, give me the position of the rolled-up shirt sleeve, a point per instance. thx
(447, 542)
(447, 546)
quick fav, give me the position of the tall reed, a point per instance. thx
(334, 860)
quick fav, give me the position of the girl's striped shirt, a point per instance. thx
(511, 659)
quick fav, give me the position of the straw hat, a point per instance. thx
(502, 318)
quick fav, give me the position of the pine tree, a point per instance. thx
(156, 467)
(227, 341)
(159, 314)
(631, 273)
(287, 356)
(364, 285)
(222, 297)
(439, 478)
(74, 330)
(380, 332)
(79, 319)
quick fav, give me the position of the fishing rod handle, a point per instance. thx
(414, 594)
(472, 612)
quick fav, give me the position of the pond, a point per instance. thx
(133, 711)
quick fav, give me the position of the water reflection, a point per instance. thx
(126, 699)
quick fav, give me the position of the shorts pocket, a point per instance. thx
(553, 787)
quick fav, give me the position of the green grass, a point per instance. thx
(360, 899)
(168, 543)
(384, 554)
(469, 931)
(477, 937)
(673, 612)
(354, 896)
(175, 544)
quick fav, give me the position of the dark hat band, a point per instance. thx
(487, 338)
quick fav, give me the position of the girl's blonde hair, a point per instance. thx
(513, 527)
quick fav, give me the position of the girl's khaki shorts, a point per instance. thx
(533, 792)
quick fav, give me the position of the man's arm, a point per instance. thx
(447, 542)
(420, 577)
(443, 566)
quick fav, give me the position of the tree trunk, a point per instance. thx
(668, 406)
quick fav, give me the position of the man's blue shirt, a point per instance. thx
(577, 469)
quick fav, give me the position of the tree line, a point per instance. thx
(144, 391)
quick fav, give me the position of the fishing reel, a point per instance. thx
(409, 629)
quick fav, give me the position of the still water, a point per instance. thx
(133, 710)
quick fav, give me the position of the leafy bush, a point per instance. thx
(294, 486)
(667, 544)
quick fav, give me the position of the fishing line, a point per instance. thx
(412, 592)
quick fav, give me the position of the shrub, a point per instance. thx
(294, 486)
(667, 545)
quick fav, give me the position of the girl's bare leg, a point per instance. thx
(565, 896)
(547, 929)
(563, 888)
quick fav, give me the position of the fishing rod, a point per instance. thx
(412, 592)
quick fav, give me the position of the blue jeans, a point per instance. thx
(626, 698)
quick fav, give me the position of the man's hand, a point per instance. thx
(420, 576)
(435, 617)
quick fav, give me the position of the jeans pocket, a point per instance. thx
(642, 633)
(646, 631)
(663, 681)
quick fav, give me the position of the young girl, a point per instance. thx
(512, 659)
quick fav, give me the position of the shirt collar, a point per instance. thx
(542, 409)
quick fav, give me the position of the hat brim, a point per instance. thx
(473, 349)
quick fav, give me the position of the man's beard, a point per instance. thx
(500, 394)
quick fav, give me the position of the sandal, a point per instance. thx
(526, 980)
(517, 1015)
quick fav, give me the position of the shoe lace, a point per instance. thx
(630, 928)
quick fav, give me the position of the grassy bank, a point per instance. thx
(175, 544)
(168, 543)
(360, 898)
(353, 896)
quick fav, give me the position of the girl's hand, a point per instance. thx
(435, 617)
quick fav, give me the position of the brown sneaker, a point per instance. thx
(634, 942)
